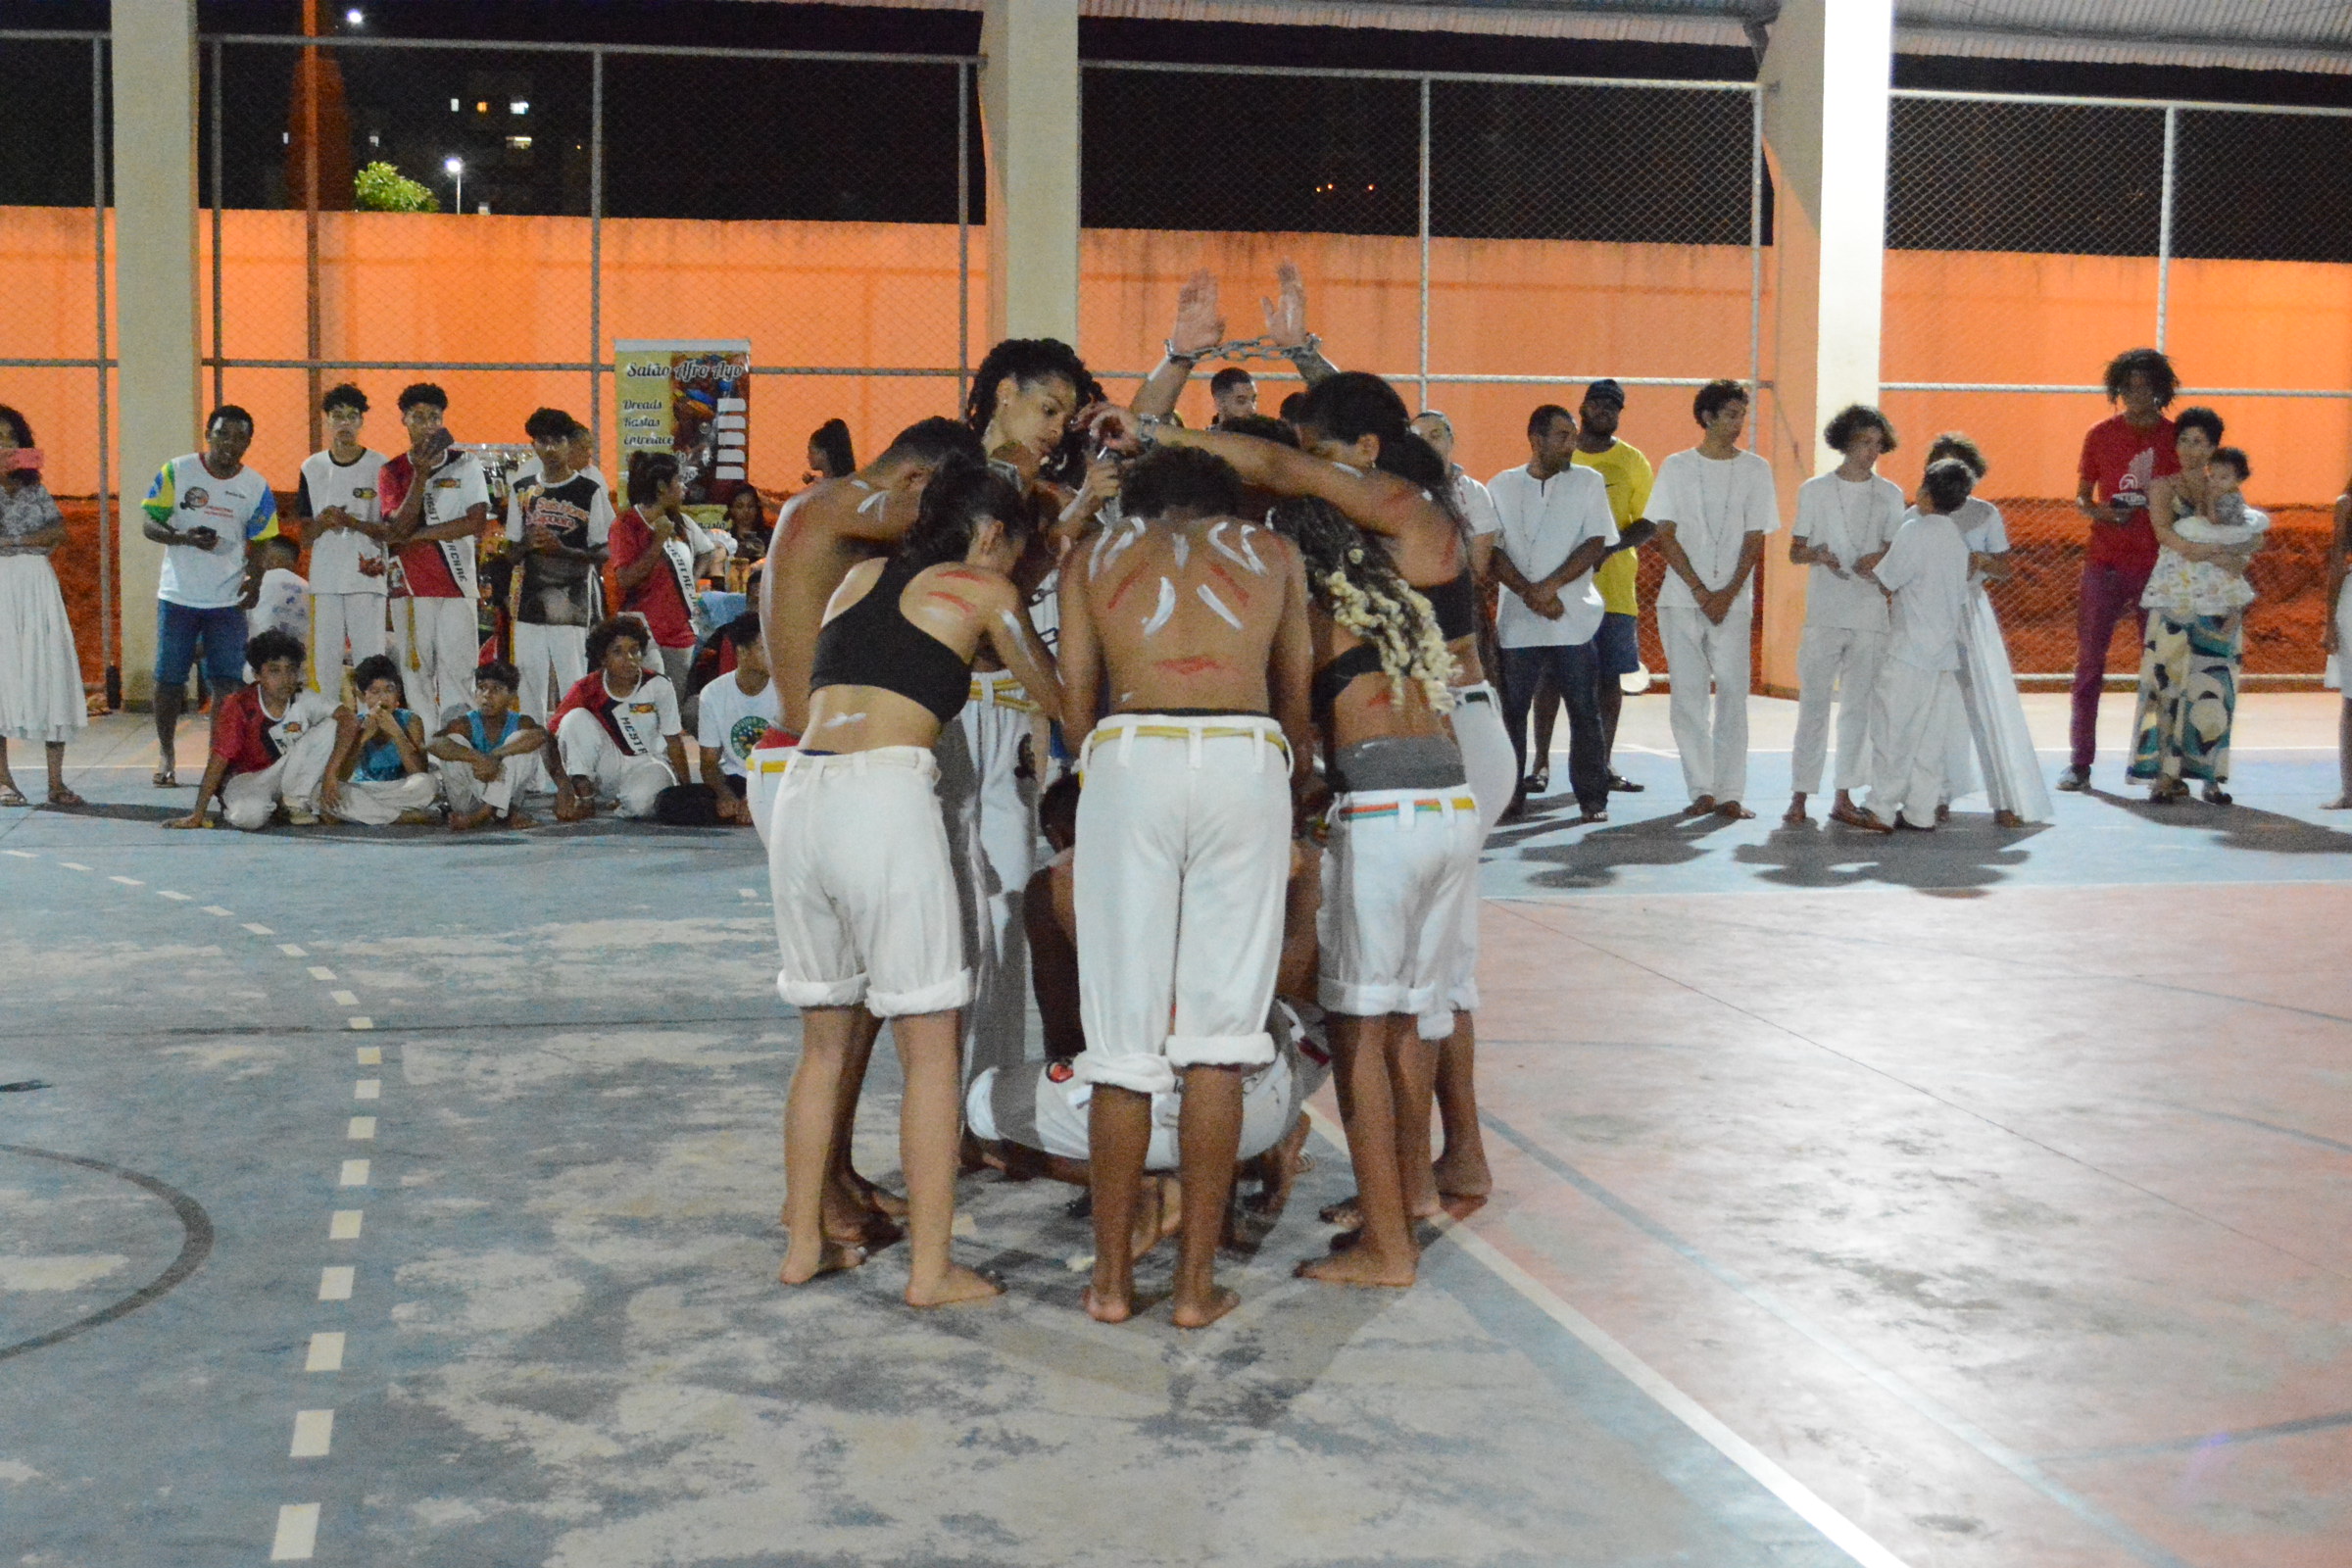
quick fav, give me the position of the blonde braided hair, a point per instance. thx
(1353, 581)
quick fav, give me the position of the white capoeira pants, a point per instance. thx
(380, 805)
(1492, 769)
(590, 752)
(516, 775)
(439, 646)
(548, 656)
(1184, 833)
(1710, 726)
(339, 621)
(1841, 665)
(1911, 736)
(247, 800)
(766, 766)
(865, 903)
(1397, 869)
(991, 840)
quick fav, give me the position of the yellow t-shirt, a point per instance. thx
(1626, 472)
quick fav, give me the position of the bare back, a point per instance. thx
(1372, 706)
(821, 533)
(965, 608)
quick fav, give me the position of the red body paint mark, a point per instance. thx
(1196, 664)
(1231, 582)
(958, 574)
(1120, 591)
(964, 604)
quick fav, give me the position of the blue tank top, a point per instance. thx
(482, 742)
(379, 759)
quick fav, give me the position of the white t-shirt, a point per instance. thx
(186, 496)
(1927, 567)
(305, 712)
(1477, 503)
(1850, 520)
(285, 606)
(531, 468)
(1544, 521)
(647, 716)
(337, 555)
(732, 719)
(1713, 505)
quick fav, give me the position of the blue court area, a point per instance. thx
(379, 1197)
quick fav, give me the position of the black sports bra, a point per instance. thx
(1456, 604)
(1333, 678)
(872, 643)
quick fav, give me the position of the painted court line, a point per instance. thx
(288, 949)
(343, 998)
(326, 1353)
(214, 909)
(127, 881)
(334, 1284)
(362, 1023)
(297, 1532)
(167, 892)
(354, 1173)
(259, 930)
(74, 865)
(314, 1433)
(318, 974)
(367, 1089)
(370, 1056)
(345, 1225)
(23, 854)
(361, 1127)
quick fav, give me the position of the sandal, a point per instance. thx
(61, 796)
(2215, 794)
(165, 780)
(12, 796)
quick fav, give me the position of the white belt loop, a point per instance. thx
(1191, 736)
(1126, 744)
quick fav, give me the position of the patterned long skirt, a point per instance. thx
(2188, 698)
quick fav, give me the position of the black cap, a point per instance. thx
(1606, 390)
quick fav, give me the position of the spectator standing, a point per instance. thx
(41, 672)
(2337, 640)
(1618, 643)
(1846, 519)
(340, 509)
(1233, 391)
(1557, 527)
(206, 509)
(2122, 457)
(1713, 505)
(438, 501)
(562, 522)
(653, 560)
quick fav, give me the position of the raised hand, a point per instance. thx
(1199, 323)
(1285, 315)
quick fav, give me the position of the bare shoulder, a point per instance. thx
(987, 590)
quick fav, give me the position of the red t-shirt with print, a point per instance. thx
(2121, 460)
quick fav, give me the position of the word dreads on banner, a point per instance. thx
(691, 400)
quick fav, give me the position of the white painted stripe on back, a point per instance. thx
(334, 1283)
(314, 1435)
(297, 1532)
(326, 1353)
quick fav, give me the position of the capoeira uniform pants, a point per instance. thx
(991, 839)
(1911, 732)
(1184, 831)
(247, 800)
(516, 775)
(1710, 727)
(1492, 768)
(378, 804)
(865, 902)
(764, 776)
(1841, 665)
(545, 655)
(590, 752)
(337, 621)
(1042, 1105)
(1397, 872)
(439, 646)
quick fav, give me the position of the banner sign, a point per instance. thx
(691, 400)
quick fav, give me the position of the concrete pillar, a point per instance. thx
(1827, 73)
(155, 287)
(1029, 124)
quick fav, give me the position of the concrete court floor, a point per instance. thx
(1979, 1198)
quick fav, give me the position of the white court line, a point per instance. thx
(297, 1532)
(23, 854)
(290, 950)
(345, 1226)
(326, 1353)
(361, 1127)
(259, 930)
(127, 881)
(370, 1056)
(317, 973)
(343, 998)
(167, 892)
(334, 1284)
(362, 1023)
(367, 1089)
(214, 909)
(354, 1173)
(74, 865)
(1801, 1499)
(314, 1435)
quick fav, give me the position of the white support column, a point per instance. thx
(155, 287)
(1826, 77)
(1029, 124)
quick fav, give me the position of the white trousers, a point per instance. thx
(1835, 663)
(1398, 867)
(248, 798)
(764, 780)
(865, 903)
(548, 656)
(1184, 836)
(374, 805)
(439, 646)
(1911, 734)
(1708, 667)
(515, 775)
(589, 752)
(338, 621)
(991, 815)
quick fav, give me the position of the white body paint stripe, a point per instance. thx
(1166, 608)
(1218, 604)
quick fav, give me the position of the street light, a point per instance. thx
(454, 168)
(355, 17)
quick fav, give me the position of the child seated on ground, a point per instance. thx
(379, 774)
(271, 743)
(490, 756)
(617, 729)
(2212, 587)
(736, 709)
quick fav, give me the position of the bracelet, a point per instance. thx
(1148, 427)
(1311, 346)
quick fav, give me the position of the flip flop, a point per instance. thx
(61, 796)
(12, 796)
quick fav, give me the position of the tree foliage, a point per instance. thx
(382, 188)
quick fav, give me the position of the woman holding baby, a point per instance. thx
(2197, 601)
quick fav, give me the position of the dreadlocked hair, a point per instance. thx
(1351, 580)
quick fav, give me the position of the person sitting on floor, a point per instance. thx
(736, 709)
(618, 730)
(272, 742)
(490, 756)
(378, 775)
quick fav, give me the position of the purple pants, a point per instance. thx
(2109, 594)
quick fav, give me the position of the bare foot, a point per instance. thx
(1465, 1177)
(1105, 1307)
(1461, 1205)
(165, 780)
(1856, 816)
(1701, 807)
(831, 1258)
(1344, 1213)
(1943, 811)
(11, 796)
(957, 1284)
(1290, 1160)
(1735, 811)
(2342, 802)
(881, 1200)
(521, 819)
(468, 821)
(1201, 1314)
(1359, 1265)
(577, 808)
(1158, 1215)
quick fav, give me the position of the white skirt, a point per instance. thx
(40, 674)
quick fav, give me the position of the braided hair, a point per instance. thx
(1351, 580)
(1029, 361)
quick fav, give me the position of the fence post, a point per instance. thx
(596, 250)
(1029, 115)
(964, 235)
(220, 371)
(2164, 222)
(107, 657)
(1425, 242)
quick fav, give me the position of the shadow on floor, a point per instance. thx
(2234, 827)
(1967, 851)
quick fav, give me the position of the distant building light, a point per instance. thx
(518, 106)
(455, 107)
(518, 144)
(374, 140)
(481, 107)
(285, 138)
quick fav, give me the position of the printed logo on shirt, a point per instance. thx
(445, 484)
(196, 496)
(366, 494)
(641, 707)
(744, 734)
(1060, 1072)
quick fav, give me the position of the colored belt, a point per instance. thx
(1004, 694)
(1427, 802)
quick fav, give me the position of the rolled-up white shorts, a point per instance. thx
(765, 768)
(865, 901)
(1183, 851)
(1396, 873)
(1492, 769)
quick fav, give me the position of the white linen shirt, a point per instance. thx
(1850, 520)
(1544, 521)
(1713, 506)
